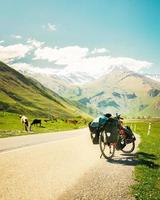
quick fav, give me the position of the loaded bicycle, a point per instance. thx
(112, 135)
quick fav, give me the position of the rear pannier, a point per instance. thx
(111, 130)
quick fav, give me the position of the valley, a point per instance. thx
(120, 91)
(20, 95)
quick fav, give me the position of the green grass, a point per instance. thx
(10, 125)
(147, 171)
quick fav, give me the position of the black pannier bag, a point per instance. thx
(94, 133)
(130, 136)
(120, 144)
(111, 130)
(96, 126)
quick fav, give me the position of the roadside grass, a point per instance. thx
(147, 171)
(10, 125)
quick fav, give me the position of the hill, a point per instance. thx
(125, 92)
(19, 94)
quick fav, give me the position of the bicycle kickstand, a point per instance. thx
(101, 155)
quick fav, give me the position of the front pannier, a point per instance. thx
(96, 127)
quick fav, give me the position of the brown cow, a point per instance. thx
(72, 121)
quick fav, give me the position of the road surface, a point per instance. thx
(62, 166)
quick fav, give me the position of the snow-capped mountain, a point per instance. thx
(68, 77)
(77, 78)
(58, 82)
(119, 90)
(155, 77)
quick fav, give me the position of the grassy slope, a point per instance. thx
(19, 94)
(147, 172)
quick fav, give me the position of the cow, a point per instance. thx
(84, 121)
(51, 120)
(47, 120)
(25, 122)
(71, 121)
(36, 122)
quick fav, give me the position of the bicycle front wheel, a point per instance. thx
(107, 149)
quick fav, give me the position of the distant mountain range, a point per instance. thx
(120, 90)
(68, 78)
(22, 95)
(155, 77)
(124, 92)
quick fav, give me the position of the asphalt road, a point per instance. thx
(61, 166)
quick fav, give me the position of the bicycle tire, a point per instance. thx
(103, 144)
(125, 150)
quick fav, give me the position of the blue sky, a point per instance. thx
(124, 28)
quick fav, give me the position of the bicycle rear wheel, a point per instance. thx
(130, 146)
(107, 149)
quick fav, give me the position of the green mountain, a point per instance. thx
(124, 92)
(22, 95)
(120, 91)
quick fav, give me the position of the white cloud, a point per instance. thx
(78, 59)
(26, 68)
(61, 56)
(9, 53)
(12, 52)
(21, 66)
(35, 43)
(75, 59)
(99, 65)
(130, 63)
(1, 41)
(100, 50)
(16, 36)
(50, 27)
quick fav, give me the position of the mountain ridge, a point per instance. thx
(120, 90)
(20, 94)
